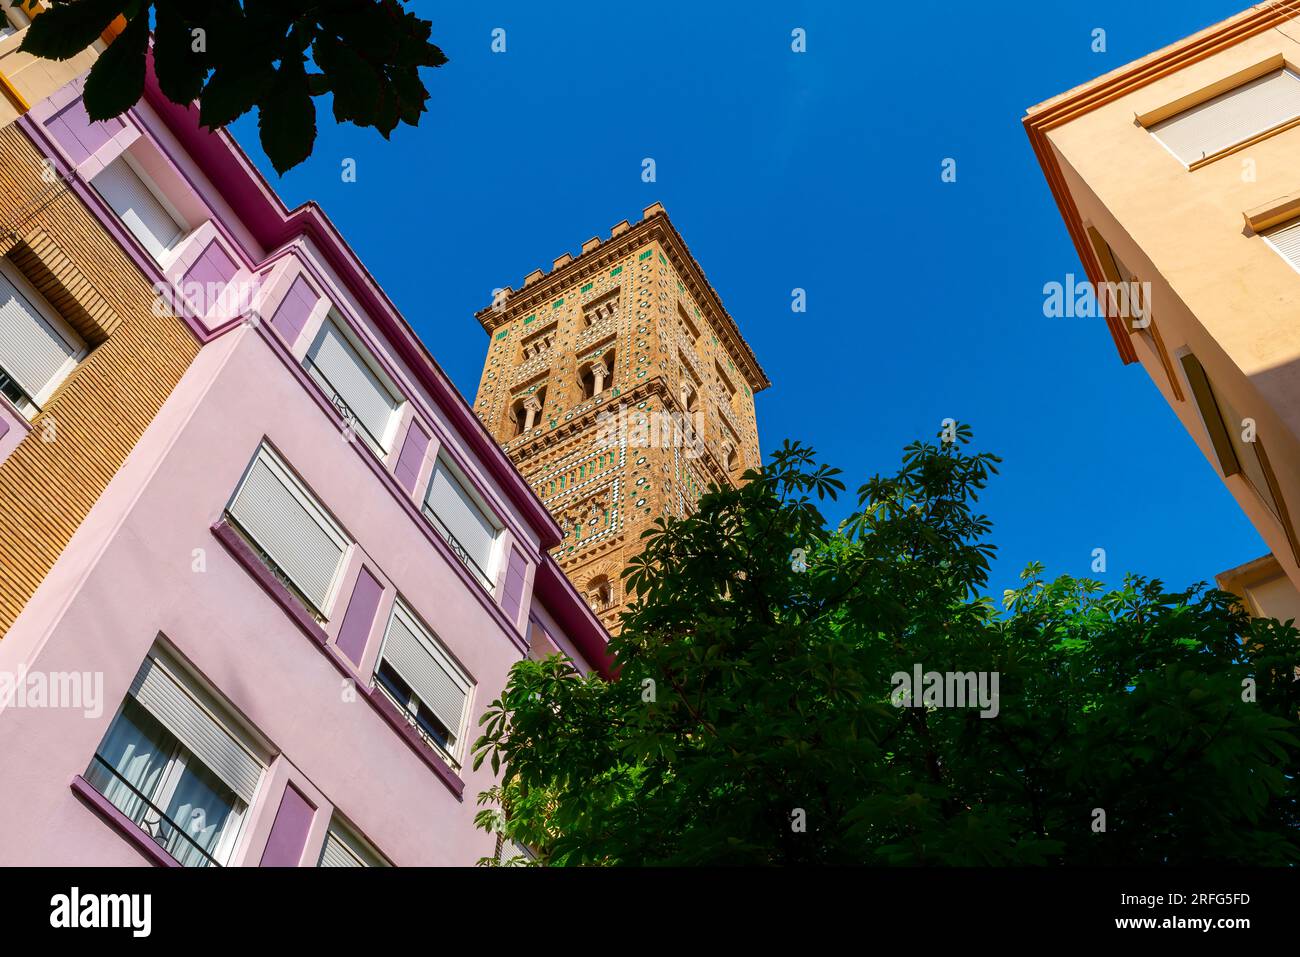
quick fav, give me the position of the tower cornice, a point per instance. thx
(540, 287)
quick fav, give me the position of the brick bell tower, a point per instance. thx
(621, 388)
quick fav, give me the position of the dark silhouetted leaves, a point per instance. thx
(181, 68)
(368, 54)
(66, 29)
(287, 117)
(117, 79)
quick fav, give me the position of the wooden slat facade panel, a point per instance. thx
(100, 411)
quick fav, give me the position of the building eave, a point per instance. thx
(1040, 120)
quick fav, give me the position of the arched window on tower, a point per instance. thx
(598, 374)
(526, 411)
(600, 593)
(689, 394)
(731, 455)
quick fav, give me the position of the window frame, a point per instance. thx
(60, 326)
(186, 229)
(1206, 398)
(353, 843)
(382, 446)
(178, 759)
(443, 657)
(487, 577)
(315, 510)
(1282, 67)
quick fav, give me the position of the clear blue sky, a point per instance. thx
(818, 170)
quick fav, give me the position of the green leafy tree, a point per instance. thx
(755, 716)
(232, 56)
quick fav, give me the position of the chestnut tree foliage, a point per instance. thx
(751, 721)
(234, 55)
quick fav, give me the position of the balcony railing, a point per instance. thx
(151, 819)
(276, 571)
(350, 420)
(413, 720)
(458, 549)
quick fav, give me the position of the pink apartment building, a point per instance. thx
(271, 638)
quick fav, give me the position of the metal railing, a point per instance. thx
(414, 721)
(276, 571)
(350, 420)
(153, 821)
(457, 548)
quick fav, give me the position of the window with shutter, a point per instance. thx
(340, 366)
(174, 765)
(344, 849)
(139, 208)
(1231, 118)
(296, 536)
(1285, 241)
(37, 349)
(466, 525)
(422, 680)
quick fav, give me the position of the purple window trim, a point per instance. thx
(239, 549)
(512, 596)
(359, 619)
(75, 129)
(295, 309)
(288, 837)
(131, 246)
(411, 460)
(42, 112)
(212, 269)
(121, 823)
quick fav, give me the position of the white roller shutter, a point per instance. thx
(451, 503)
(348, 374)
(163, 695)
(436, 681)
(32, 351)
(137, 206)
(278, 514)
(337, 854)
(1286, 240)
(1231, 117)
(343, 850)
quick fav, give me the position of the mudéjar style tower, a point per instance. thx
(621, 387)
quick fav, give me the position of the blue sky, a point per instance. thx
(822, 171)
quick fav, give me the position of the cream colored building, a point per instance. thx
(1182, 170)
(25, 79)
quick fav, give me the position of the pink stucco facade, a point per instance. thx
(156, 563)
